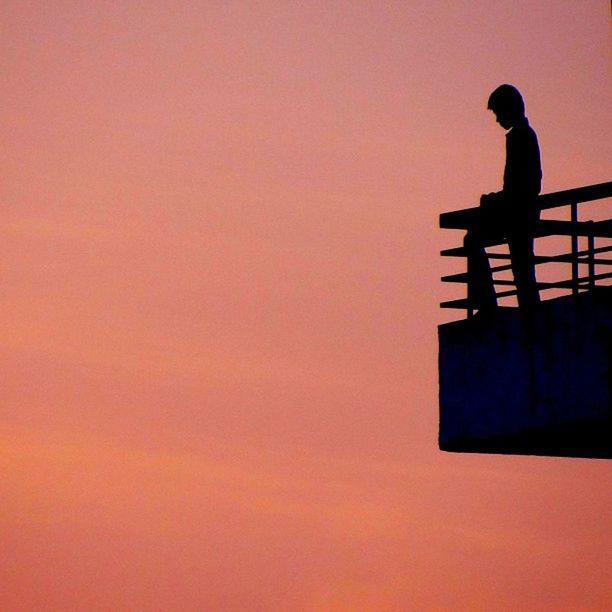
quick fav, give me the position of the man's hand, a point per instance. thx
(486, 199)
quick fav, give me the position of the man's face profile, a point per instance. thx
(504, 118)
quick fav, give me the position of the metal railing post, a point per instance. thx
(574, 219)
(591, 256)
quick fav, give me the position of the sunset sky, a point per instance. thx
(219, 266)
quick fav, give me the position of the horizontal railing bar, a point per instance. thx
(462, 278)
(464, 302)
(603, 249)
(462, 219)
(461, 304)
(553, 227)
(505, 293)
(501, 268)
(502, 281)
(556, 285)
(458, 219)
(455, 278)
(454, 252)
(457, 304)
(588, 193)
(461, 252)
(571, 282)
(569, 258)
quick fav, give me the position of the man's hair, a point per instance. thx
(507, 98)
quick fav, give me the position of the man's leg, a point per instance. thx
(481, 291)
(523, 268)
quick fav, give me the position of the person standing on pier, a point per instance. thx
(511, 213)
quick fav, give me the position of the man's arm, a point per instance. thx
(523, 171)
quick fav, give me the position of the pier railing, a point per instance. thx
(584, 261)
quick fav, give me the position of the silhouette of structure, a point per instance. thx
(533, 381)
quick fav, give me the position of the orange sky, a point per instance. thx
(220, 287)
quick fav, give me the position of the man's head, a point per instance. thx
(507, 104)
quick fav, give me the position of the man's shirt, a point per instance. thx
(523, 171)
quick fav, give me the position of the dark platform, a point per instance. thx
(530, 385)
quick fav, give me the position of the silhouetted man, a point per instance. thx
(510, 213)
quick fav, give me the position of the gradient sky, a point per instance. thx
(220, 287)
